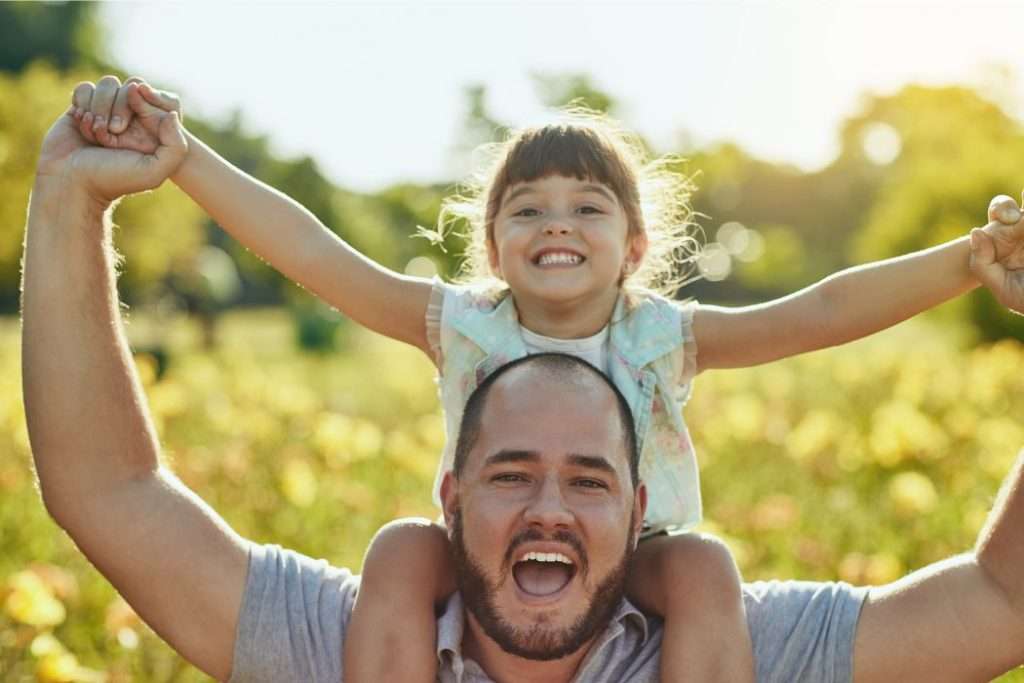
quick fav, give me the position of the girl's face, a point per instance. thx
(560, 240)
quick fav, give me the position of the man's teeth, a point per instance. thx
(546, 557)
(558, 257)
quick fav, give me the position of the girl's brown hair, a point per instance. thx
(586, 145)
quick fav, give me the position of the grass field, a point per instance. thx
(860, 463)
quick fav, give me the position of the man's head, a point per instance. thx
(543, 505)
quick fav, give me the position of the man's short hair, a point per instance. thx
(558, 366)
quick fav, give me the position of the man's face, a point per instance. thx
(544, 516)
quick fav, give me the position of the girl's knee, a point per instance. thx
(407, 543)
(700, 562)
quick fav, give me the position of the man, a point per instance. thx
(543, 505)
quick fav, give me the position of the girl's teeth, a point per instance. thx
(548, 259)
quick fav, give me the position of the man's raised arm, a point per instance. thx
(95, 449)
(962, 619)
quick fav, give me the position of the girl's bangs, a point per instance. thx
(565, 151)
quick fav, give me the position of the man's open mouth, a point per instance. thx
(543, 574)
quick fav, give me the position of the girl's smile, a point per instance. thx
(561, 244)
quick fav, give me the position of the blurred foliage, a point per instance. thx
(558, 90)
(67, 34)
(956, 147)
(916, 168)
(157, 229)
(860, 463)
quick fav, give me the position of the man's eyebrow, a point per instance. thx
(506, 456)
(594, 462)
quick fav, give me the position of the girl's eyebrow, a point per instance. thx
(600, 189)
(528, 189)
(519, 192)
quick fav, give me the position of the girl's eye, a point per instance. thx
(527, 212)
(590, 209)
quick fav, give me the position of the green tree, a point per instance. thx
(157, 229)
(956, 150)
(560, 89)
(67, 34)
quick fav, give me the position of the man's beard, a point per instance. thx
(538, 642)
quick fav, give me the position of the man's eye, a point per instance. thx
(591, 484)
(508, 478)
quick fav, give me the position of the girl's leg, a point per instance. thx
(393, 632)
(692, 581)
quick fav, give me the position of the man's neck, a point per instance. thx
(503, 667)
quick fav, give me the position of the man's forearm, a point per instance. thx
(87, 423)
(1000, 547)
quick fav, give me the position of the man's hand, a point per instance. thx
(997, 253)
(1006, 230)
(158, 146)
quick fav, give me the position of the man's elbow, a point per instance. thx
(1003, 583)
(63, 506)
(78, 503)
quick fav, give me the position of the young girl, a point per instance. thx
(572, 229)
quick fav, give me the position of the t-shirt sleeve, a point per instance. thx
(293, 618)
(803, 631)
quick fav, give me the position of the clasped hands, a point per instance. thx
(87, 153)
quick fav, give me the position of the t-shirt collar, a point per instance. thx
(451, 626)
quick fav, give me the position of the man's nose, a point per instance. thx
(548, 507)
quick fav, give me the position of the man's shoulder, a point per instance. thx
(803, 630)
(295, 612)
(275, 563)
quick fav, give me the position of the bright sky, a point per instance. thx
(374, 91)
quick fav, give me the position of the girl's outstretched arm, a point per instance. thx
(852, 303)
(286, 235)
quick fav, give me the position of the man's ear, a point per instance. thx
(639, 510)
(449, 497)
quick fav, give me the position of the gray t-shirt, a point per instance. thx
(295, 611)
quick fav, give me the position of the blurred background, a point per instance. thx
(818, 135)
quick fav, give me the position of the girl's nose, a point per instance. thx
(557, 226)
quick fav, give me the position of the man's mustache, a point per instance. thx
(560, 536)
